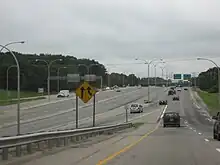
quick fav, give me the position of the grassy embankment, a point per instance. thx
(211, 100)
(12, 99)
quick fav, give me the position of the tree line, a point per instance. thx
(34, 71)
(208, 80)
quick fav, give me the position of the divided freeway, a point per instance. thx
(61, 115)
(151, 144)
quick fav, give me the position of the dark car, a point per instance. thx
(163, 102)
(176, 98)
(216, 127)
(171, 118)
(171, 92)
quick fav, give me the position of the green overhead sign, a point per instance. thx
(177, 76)
(187, 76)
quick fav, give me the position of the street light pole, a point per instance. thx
(148, 63)
(155, 70)
(218, 75)
(48, 74)
(18, 88)
(7, 78)
(58, 75)
(155, 74)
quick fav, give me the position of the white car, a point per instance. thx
(179, 89)
(64, 93)
(135, 107)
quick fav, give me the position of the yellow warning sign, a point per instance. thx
(85, 92)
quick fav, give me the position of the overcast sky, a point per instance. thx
(117, 31)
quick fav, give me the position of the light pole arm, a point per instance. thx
(17, 42)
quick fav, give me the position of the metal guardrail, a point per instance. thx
(47, 140)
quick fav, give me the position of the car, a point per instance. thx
(179, 89)
(171, 118)
(216, 127)
(147, 101)
(118, 90)
(63, 93)
(170, 92)
(163, 102)
(176, 98)
(136, 108)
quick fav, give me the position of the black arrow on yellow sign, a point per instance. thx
(83, 89)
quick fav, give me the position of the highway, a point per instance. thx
(150, 144)
(61, 115)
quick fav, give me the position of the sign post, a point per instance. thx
(77, 112)
(126, 111)
(93, 118)
(85, 92)
(41, 90)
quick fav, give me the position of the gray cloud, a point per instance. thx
(116, 31)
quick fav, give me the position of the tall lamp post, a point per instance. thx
(12, 66)
(148, 79)
(18, 87)
(155, 71)
(58, 75)
(48, 73)
(206, 59)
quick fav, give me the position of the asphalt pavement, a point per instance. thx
(190, 144)
(61, 115)
(151, 144)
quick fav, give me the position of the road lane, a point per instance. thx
(63, 120)
(171, 146)
(58, 107)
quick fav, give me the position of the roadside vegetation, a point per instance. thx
(13, 94)
(211, 100)
(12, 98)
(9, 102)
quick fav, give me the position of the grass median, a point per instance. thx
(211, 100)
(10, 102)
(6, 99)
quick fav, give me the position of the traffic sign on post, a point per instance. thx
(85, 92)
(177, 76)
(187, 76)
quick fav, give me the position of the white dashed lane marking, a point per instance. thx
(200, 133)
(207, 140)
